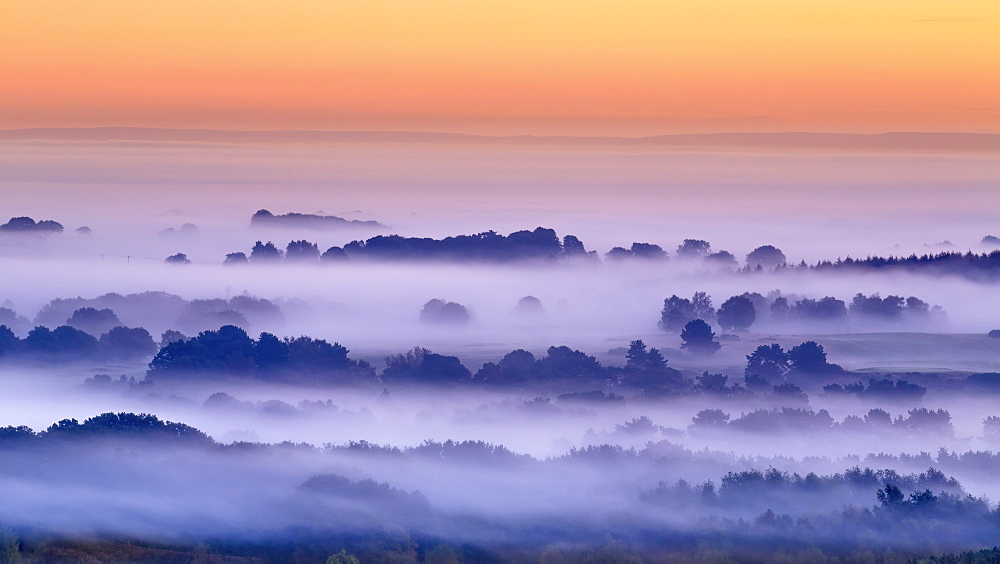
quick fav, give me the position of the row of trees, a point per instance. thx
(67, 344)
(230, 351)
(920, 422)
(739, 313)
(28, 225)
(541, 243)
(491, 246)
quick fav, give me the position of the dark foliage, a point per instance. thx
(736, 314)
(698, 338)
(676, 313)
(442, 312)
(127, 343)
(694, 249)
(93, 321)
(648, 369)
(28, 225)
(971, 265)
(179, 258)
(334, 254)
(302, 251)
(767, 365)
(236, 259)
(488, 246)
(881, 389)
(559, 363)
(422, 366)
(809, 358)
(767, 257)
(265, 253)
(231, 352)
(638, 250)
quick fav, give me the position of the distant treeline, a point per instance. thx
(739, 313)
(68, 344)
(28, 225)
(540, 244)
(154, 310)
(107, 426)
(984, 265)
(230, 351)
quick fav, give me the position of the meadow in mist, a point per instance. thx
(394, 435)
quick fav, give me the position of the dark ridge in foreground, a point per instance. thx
(753, 512)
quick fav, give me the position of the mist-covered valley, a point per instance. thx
(529, 366)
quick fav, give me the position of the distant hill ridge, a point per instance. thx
(892, 141)
(264, 218)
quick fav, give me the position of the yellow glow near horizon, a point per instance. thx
(631, 65)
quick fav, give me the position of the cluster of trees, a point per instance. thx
(301, 252)
(67, 344)
(637, 250)
(109, 427)
(969, 264)
(443, 312)
(490, 246)
(541, 243)
(880, 389)
(264, 218)
(28, 225)
(739, 313)
(920, 422)
(644, 368)
(157, 311)
(771, 364)
(230, 351)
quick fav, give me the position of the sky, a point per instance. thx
(580, 67)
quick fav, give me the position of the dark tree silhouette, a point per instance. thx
(701, 307)
(698, 338)
(93, 321)
(179, 258)
(265, 253)
(422, 366)
(127, 343)
(28, 225)
(736, 314)
(693, 249)
(334, 254)
(236, 259)
(766, 365)
(441, 312)
(302, 251)
(638, 250)
(648, 369)
(767, 257)
(723, 260)
(810, 358)
(271, 354)
(169, 336)
(573, 247)
(676, 312)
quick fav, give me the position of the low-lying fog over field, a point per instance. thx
(419, 349)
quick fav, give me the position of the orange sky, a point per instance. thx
(627, 67)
